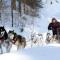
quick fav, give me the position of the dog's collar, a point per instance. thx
(14, 40)
(1, 38)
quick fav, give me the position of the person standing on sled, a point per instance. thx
(54, 26)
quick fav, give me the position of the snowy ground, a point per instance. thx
(36, 53)
(14, 56)
(40, 23)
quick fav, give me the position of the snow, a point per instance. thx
(31, 24)
(47, 13)
(35, 52)
(54, 45)
(14, 56)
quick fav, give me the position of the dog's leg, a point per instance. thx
(1, 49)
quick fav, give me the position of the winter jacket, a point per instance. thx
(54, 27)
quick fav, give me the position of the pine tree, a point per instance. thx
(34, 4)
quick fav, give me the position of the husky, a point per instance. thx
(3, 37)
(51, 39)
(17, 40)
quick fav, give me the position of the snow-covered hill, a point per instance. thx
(31, 25)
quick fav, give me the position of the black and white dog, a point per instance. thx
(9, 39)
(3, 38)
(17, 40)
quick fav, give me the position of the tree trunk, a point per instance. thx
(20, 7)
(13, 4)
(13, 7)
(0, 8)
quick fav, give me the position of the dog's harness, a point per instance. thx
(14, 40)
(1, 39)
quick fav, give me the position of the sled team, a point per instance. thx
(55, 27)
(7, 39)
(50, 38)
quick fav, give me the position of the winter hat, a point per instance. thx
(53, 18)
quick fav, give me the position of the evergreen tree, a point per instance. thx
(34, 4)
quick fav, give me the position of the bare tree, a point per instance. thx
(19, 5)
(13, 7)
(0, 8)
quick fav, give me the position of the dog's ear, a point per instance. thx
(3, 26)
(12, 30)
